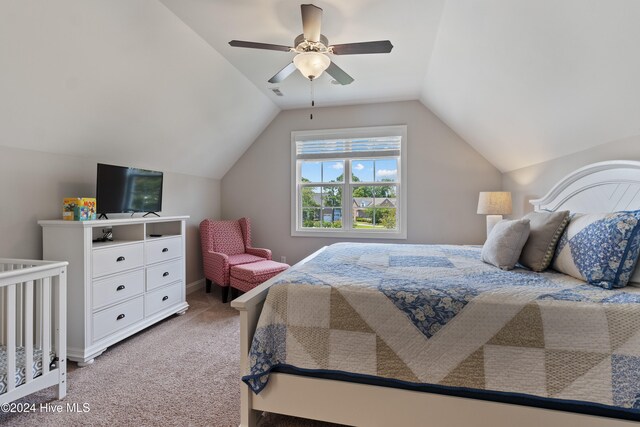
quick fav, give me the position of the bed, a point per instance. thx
(367, 345)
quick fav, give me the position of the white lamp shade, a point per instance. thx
(494, 203)
(311, 64)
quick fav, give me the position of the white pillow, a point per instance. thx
(505, 243)
(635, 277)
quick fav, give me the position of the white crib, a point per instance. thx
(33, 327)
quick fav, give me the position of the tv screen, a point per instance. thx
(120, 189)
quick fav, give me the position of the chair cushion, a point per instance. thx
(243, 259)
(257, 272)
(241, 285)
(227, 237)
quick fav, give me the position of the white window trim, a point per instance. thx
(400, 233)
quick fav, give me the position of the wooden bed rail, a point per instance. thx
(250, 306)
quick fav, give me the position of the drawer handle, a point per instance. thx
(120, 258)
(165, 274)
(120, 288)
(165, 250)
(120, 317)
(164, 298)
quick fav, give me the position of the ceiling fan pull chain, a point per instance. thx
(313, 102)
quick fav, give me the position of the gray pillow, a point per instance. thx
(546, 229)
(504, 244)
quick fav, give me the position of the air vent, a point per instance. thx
(276, 90)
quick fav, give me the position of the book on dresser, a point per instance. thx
(123, 276)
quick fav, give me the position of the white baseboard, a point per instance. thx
(195, 286)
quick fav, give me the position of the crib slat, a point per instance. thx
(10, 310)
(60, 320)
(3, 336)
(46, 323)
(19, 310)
(38, 314)
(28, 331)
(3, 300)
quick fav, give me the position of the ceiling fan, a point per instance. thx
(311, 48)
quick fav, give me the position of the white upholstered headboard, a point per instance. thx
(600, 187)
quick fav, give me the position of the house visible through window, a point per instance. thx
(349, 182)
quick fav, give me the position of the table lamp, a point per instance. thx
(494, 204)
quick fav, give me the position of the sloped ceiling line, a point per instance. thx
(154, 84)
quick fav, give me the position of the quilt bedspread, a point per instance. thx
(425, 314)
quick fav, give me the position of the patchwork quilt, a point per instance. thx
(411, 315)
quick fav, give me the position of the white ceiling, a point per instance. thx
(410, 25)
(124, 82)
(526, 81)
(155, 84)
(522, 81)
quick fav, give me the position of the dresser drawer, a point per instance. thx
(115, 318)
(163, 274)
(117, 288)
(163, 249)
(163, 298)
(114, 260)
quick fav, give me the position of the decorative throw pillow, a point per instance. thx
(601, 249)
(546, 229)
(505, 242)
(635, 277)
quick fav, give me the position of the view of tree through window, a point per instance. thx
(322, 205)
(373, 206)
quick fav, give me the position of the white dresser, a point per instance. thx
(118, 287)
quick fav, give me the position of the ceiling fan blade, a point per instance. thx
(339, 74)
(380, 46)
(254, 45)
(311, 22)
(283, 74)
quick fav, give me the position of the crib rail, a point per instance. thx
(32, 316)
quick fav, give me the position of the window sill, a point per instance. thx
(329, 233)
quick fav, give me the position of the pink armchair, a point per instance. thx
(225, 244)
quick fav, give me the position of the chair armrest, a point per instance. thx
(216, 267)
(263, 253)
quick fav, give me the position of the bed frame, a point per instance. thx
(600, 187)
(33, 314)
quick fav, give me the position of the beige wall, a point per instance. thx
(33, 184)
(535, 181)
(444, 177)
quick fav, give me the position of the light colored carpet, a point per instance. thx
(181, 371)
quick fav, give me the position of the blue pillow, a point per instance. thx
(601, 249)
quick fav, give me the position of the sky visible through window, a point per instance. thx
(363, 170)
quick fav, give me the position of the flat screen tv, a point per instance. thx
(121, 189)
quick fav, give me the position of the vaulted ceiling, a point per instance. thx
(124, 82)
(155, 84)
(411, 26)
(526, 81)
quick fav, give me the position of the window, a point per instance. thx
(349, 182)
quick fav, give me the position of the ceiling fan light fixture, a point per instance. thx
(311, 64)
